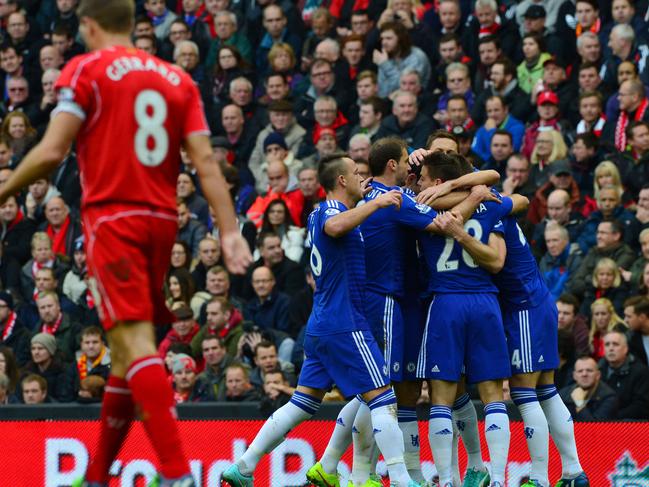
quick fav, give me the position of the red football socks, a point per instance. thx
(153, 395)
(116, 414)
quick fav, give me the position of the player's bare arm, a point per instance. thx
(490, 257)
(488, 178)
(521, 203)
(235, 248)
(341, 224)
(46, 156)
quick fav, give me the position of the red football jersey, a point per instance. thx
(136, 111)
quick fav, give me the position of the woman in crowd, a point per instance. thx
(549, 147)
(606, 283)
(17, 128)
(277, 219)
(606, 174)
(180, 287)
(530, 70)
(229, 65)
(604, 319)
(181, 255)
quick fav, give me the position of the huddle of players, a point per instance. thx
(470, 255)
(486, 311)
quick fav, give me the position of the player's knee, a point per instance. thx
(524, 380)
(442, 392)
(491, 391)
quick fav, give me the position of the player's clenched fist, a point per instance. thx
(390, 198)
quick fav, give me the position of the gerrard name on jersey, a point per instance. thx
(121, 66)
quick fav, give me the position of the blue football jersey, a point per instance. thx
(520, 282)
(451, 268)
(338, 266)
(390, 243)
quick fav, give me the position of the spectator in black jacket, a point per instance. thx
(13, 333)
(237, 385)
(636, 315)
(46, 363)
(277, 392)
(17, 231)
(269, 308)
(590, 398)
(627, 376)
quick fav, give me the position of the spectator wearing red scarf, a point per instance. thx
(17, 231)
(60, 226)
(223, 321)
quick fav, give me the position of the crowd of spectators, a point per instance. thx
(552, 94)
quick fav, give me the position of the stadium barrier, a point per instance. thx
(52, 453)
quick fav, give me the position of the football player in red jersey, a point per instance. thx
(129, 114)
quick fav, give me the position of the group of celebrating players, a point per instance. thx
(405, 294)
(476, 310)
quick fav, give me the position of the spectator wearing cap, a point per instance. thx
(406, 121)
(46, 362)
(75, 287)
(326, 143)
(534, 21)
(558, 205)
(184, 371)
(634, 106)
(550, 13)
(498, 118)
(13, 333)
(183, 329)
(282, 121)
(503, 82)
(275, 149)
(556, 78)
(464, 142)
(547, 108)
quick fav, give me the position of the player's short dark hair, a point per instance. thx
(329, 168)
(616, 226)
(382, 151)
(446, 166)
(263, 236)
(378, 104)
(571, 300)
(8, 47)
(440, 134)
(265, 344)
(274, 74)
(115, 16)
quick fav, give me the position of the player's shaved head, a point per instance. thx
(115, 16)
(330, 168)
(384, 150)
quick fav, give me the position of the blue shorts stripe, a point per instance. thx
(421, 362)
(372, 368)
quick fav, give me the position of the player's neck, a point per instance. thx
(386, 180)
(341, 195)
(109, 39)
